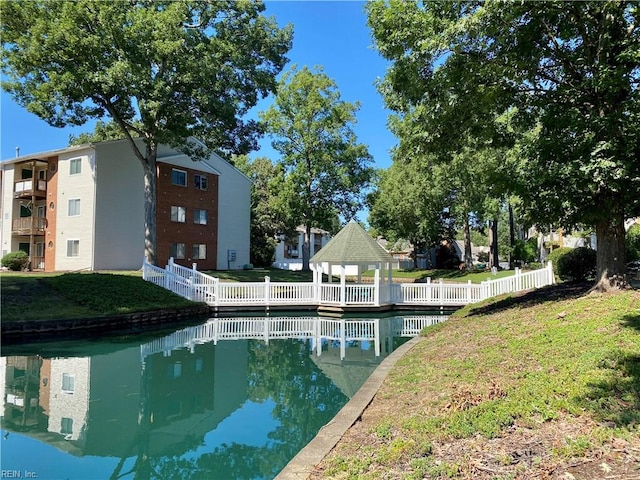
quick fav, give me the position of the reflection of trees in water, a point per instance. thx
(281, 371)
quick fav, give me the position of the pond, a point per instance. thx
(230, 398)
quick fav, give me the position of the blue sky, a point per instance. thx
(332, 34)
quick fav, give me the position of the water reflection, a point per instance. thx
(231, 398)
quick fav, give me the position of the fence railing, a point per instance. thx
(318, 329)
(197, 286)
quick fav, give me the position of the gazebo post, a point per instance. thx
(343, 284)
(376, 286)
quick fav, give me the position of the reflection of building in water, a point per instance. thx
(163, 397)
(69, 396)
(93, 405)
(21, 378)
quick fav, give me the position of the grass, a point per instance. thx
(448, 275)
(535, 382)
(78, 295)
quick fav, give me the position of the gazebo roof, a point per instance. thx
(352, 246)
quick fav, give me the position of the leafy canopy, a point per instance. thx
(163, 70)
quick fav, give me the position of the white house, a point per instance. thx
(288, 255)
(82, 208)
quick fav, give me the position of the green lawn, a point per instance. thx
(447, 275)
(554, 373)
(43, 296)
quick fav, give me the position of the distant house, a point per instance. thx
(82, 208)
(288, 255)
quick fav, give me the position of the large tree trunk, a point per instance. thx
(150, 195)
(494, 260)
(610, 266)
(306, 248)
(466, 233)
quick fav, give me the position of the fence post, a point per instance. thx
(216, 291)
(518, 279)
(469, 291)
(441, 288)
(267, 290)
(551, 276)
(429, 292)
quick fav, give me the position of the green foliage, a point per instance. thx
(327, 172)
(555, 255)
(410, 203)
(555, 83)
(165, 72)
(103, 132)
(15, 261)
(632, 242)
(579, 264)
(526, 251)
(270, 215)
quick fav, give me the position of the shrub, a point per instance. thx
(526, 251)
(555, 256)
(632, 243)
(15, 261)
(483, 257)
(579, 264)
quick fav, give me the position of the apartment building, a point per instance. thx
(82, 208)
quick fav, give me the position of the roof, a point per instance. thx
(352, 246)
(302, 229)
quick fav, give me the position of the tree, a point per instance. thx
(270, 215)
(163, 71)
(327, 171)
(103, 131)
(567, 74)
(409, 203)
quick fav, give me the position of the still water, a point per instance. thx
(229, 399)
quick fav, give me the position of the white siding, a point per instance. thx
(73, 405)
(234, 215)
(79, 227)
(6, 210)
(119, 225)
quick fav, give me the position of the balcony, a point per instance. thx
(29, 225)
(25, 188)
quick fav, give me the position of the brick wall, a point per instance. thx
(189, 232)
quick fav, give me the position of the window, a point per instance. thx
(199, 365)
(75, 166)
(73, 248)
(174, 370)
(199, 251)
(179, 177)
(177, 250)
(68, 383)
(200, 182)
(66, 426)
(74, 207)
(178, 214)
(200, 216)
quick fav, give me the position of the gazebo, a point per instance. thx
(353, 252)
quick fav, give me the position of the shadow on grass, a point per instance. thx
(616, 399)
(552, 293)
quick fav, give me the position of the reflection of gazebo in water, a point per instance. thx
(352, 252)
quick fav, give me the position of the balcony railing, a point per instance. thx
(24, 225)
(25, 188)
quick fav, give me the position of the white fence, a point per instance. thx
(197, 286)
(321, 330)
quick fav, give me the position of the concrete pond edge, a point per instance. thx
(304, 463)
